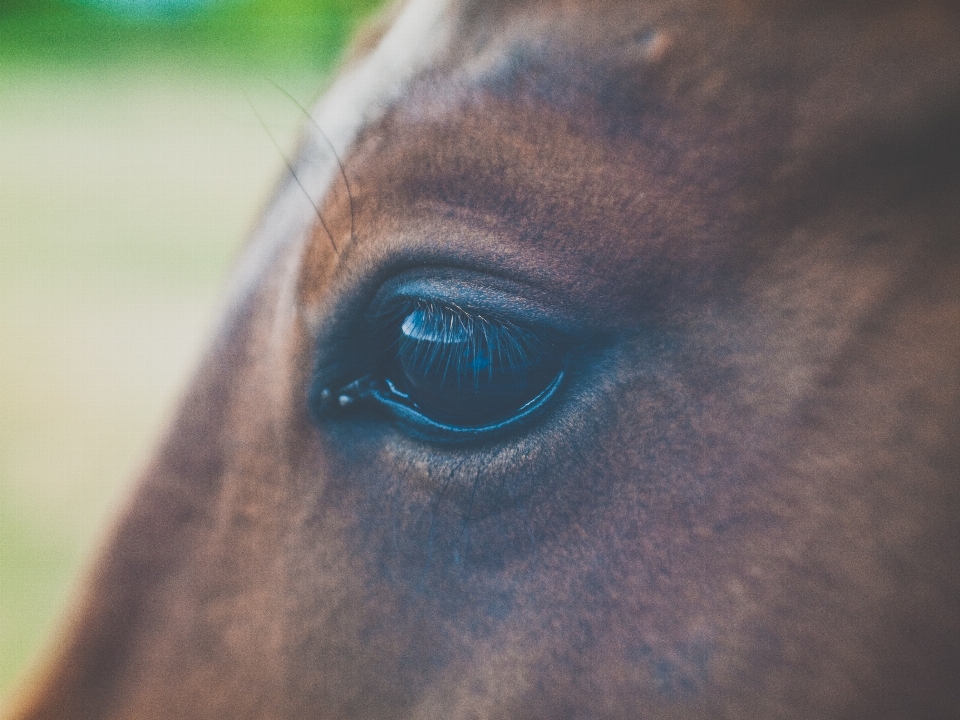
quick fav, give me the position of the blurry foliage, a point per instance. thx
(219, 34)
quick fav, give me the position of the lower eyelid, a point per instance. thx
(427, 429)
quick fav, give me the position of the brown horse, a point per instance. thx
(613, 371)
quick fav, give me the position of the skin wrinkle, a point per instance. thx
(741, 502)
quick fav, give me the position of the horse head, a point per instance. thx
(593, 360)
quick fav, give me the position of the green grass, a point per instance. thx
(127, 182)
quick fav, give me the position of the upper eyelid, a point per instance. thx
(492, 298)
(341, 338)
(400, 305)
(501, 334)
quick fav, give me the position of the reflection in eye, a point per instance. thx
(461, 367)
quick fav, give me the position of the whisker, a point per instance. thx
(293, 172)
(326, 139)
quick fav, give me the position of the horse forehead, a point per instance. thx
(591, 120)
(551, 136)
(569, 51)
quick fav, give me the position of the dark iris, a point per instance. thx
(460, 367)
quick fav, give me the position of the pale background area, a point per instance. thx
(124, 198)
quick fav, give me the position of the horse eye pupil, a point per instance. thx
(459, 367)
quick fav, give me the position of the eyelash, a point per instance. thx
(514, 346)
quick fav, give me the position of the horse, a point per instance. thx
(592, 360)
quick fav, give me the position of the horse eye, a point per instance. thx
(459, 367)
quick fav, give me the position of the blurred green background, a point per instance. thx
(132, 163)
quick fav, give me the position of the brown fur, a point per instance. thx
(745, 503)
